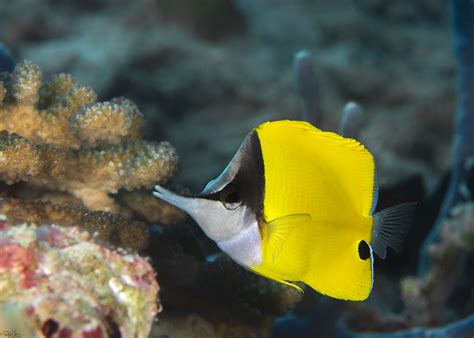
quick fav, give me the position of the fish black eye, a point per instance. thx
(233, 197)
(230, 198)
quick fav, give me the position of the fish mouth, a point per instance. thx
(168, 196)
(190, 205)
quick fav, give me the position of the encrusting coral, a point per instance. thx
(59, 282)
(57, 136)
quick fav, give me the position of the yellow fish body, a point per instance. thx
(295, 204)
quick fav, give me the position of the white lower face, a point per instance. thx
(245, 247)
(235, 231)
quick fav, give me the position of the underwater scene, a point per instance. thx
(237, 168)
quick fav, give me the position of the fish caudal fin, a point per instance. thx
(390, 227)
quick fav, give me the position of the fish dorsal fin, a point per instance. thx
(231, 169)
(317, 170)
(375, 194)
(390, 227)
(280, 230)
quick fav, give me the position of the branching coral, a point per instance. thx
(69, 142)
(152, 209)
(61, 283)
(63, 112)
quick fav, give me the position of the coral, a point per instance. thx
(107, 227)
(152, 209)
(92, 123)
(426, 298)
(57, 137)
(61, 283)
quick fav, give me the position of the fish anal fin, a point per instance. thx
(262, 271)
(390, 228)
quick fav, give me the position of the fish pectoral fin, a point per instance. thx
(390, 228)
(280, 230)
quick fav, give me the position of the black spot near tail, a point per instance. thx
(364, 250)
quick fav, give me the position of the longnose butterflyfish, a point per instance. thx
(296, 204)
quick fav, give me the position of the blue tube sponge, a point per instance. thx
(308, 86)
(463, 142)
